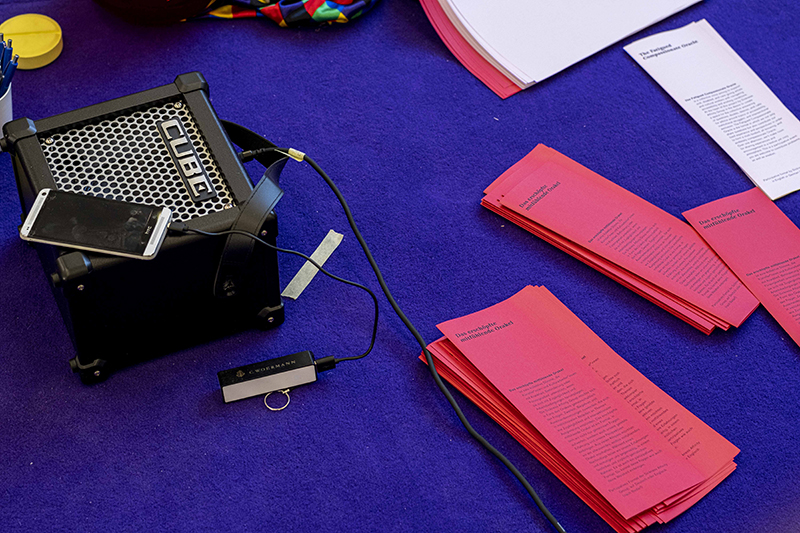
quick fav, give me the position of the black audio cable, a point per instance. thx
(324, 363)
(249, 155)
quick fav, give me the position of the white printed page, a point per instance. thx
(729, 101)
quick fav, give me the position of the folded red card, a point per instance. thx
(761, 245)
(621, 235)
(631, 452)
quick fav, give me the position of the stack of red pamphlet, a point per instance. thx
(626, 448)
(621, 235)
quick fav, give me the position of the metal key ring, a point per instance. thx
(285, 392)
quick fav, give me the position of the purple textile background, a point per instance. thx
(411, 138)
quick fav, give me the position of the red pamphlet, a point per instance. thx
(622, 235)
(761, 245)
(630, 451)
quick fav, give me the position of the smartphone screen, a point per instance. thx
(98, 224)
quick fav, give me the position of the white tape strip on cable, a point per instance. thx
(307, 272)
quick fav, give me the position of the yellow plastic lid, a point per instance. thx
(36, 38)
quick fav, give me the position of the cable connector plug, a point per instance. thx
(297, 155)
(249, 155)
(178, 227)
(325, 363)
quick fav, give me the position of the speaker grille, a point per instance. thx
(125, 158)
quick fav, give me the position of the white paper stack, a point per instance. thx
(528, 41)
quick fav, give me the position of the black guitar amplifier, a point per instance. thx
(119, 311)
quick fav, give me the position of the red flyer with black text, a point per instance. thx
(761, 245)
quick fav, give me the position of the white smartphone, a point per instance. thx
(96, 224)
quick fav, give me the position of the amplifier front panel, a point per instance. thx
(125, 158)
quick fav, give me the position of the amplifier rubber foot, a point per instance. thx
(92, 373)
(269, 317)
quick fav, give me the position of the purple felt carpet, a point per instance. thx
(411, 138)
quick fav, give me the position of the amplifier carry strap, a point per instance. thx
(253, 214)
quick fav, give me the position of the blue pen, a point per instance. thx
(7, 55)
(8, 73)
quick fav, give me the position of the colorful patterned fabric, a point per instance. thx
(288, 13)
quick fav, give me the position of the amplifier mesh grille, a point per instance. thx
(125, 159)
